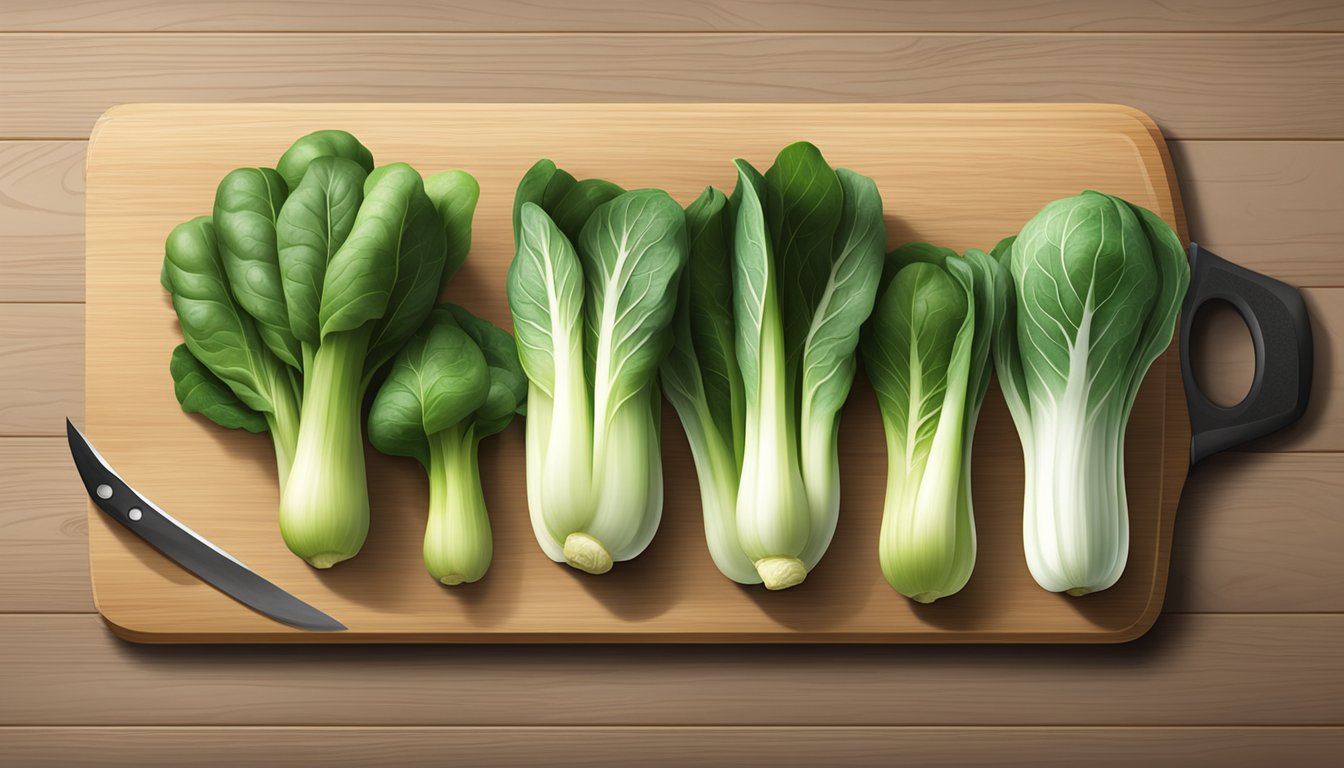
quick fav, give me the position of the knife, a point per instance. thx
(184, 546)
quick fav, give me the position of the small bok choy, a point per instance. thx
(1098, 284)
(592, 288)
(781, 279)
(455, 383)
(927, 353)
(305, 282)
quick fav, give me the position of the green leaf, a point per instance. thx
(545, 287)
(200, 391)
(387, 271)
(908, 349)
(329, 143)
(753, 276)
(1086, 284)
(849, 290)
(508, 383)
(707, 291)
(438, 380)
(804, 205)
(1173, 267)
(247, 203)
(421, 254)
(632, 250)
(216, 330)
(574, 209)
(313, 224)
(543, 185)
(454, 194)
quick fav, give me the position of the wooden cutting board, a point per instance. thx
(958, 175)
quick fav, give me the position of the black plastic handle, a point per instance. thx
(1281, 332)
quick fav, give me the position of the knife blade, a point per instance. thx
(193, 552)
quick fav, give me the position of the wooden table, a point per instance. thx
(1245, 667)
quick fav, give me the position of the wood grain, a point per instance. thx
(684, 16)
(1271, 206)
(1267, 205)
(1200, 85)
(1224, 363)
(1190, 670)
(42, 379)
(44, 564)
(1254, 533)
(41, 221)
(1260, 532)
(587, 747)
(147, 171)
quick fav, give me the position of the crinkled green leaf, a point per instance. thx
(200, 391)
(454, 194)
(247, 202)
(295, 161)
(632, 250)
(313, 224)
(438, 380)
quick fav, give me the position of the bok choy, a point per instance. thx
(781, 278)
(306, 281)
(1098, 284)
(592, 288)
(455, 383)
(927, 353)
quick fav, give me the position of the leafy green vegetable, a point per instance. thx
(247, 203)
(379, 286)
(222, 341)
(306, 282)
(592, 327)
(1098, 283)
(200, 391)
(456, 382)
(293, 164)
(927, 353)
(759, 377)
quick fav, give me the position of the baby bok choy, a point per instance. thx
(306, 280)
(927, 353)
(1098, 285)
(592, 288)
(781, 278)
(455, 383)
(224, 371)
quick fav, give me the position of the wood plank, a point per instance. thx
(1267, 205)
(41, 221)
(685, 16)
(42, 380)
(1260, 532)
(1270, 206)
(44, 529)
(151, 166)
(1224, 363)
(1195, 85)
(1190, 670)
(1254, 533)
(745, 747)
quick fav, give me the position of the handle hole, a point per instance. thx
(1222, 355)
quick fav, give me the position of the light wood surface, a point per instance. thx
(684, 16)
(1209, 669)
(1227, 86)
(673, 747)
(152, 166)
(1291, 561)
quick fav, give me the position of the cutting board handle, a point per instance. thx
(1281, 332)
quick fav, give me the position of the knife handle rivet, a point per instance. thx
(104, 491)
(134, 514)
